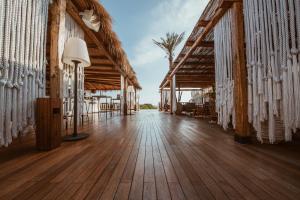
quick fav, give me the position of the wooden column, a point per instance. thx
(161, 100)
(240, 75)
(124, 85)
(171, 94)
(57, 12)
(57, 25)
(135, 100)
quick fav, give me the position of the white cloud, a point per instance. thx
(168, 16)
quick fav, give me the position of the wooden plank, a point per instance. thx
(136, 191)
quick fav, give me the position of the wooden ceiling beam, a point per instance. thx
(208, 44)
(195, 85)
(198, 74)
(202, 23)
(102, 82)
(102, 73)
(96, 56)
(104, 65)
(101, 68)
(198, 63)
(96, 52)
(100, 61)
(194, 76)
(198, 56)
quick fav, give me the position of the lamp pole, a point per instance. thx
(75, 134)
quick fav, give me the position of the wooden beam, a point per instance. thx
(98, 57)
(198, 56)
(209, 44)
(240, 75)
(197, 63)
(196, 85)
(100, 73)
(105, 65)
(202, 23)
(204, 74)
(101, 69)
(95, 61)
(196, 79)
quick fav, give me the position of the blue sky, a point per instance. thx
(137, 22)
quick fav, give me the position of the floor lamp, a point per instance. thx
(75, 54)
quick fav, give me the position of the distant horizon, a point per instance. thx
(138, 22)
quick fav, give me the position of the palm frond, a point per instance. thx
(169, 43)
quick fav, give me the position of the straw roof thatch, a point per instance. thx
(108, 38)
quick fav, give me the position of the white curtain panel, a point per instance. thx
(273, 57)
(23, 29)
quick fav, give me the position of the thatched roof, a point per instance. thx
(194, 66)
(112, 46)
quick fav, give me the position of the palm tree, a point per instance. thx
(169, 45)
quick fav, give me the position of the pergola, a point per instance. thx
(195, 65)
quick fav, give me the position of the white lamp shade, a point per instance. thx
(76, 50)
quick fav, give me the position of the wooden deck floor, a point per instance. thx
(152, 155)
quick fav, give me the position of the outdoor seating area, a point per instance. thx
(217, 120)
(80, 68)
(224, 53)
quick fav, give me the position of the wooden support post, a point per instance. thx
(57, 13)
(173, 94)
(57, 24)
(135, 100)
(161, 100)
(124, 85)
(240, 75)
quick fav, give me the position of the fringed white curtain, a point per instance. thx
(23, 28)
(273, 57)
(138, 99)
(72, 29)
(223, 70)
(166, 97)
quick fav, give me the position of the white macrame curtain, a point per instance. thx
(166, 97)
(273, 57)
(223, 71)
(23, 29)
